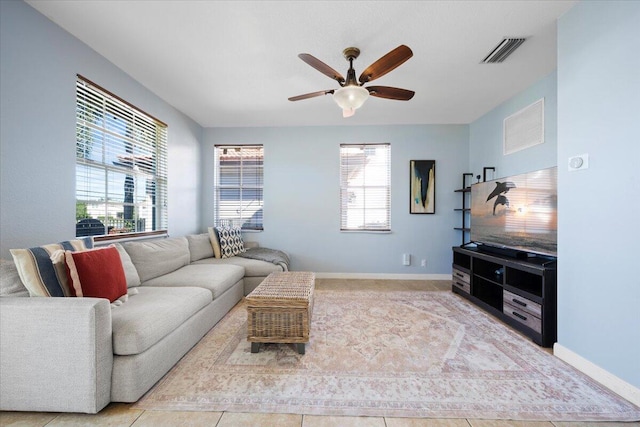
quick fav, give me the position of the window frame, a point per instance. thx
(144, 140)
(367, 186)
(250, 180)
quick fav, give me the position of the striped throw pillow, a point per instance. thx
(40, 274)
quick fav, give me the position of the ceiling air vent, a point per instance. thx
(503, 50)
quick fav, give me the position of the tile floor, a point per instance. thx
(122, 414)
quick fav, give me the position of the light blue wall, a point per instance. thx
(592, 104)
(39, 62)
(301, 207)
(486, 134)
(599, 208)
(598, 113)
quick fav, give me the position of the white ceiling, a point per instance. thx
(235, 63)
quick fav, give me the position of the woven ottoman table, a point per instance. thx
(279, 310)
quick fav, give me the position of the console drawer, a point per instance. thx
(523, 317)
(522, 303)
(460, 276)
(461, 285)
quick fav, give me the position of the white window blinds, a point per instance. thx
(121, 165)
(365, 187)
(238, 186)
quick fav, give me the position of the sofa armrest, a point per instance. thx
(55, 354)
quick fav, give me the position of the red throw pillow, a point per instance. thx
(96, 273)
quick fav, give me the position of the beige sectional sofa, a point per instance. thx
(79, 354)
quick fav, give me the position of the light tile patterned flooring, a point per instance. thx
(122, 414)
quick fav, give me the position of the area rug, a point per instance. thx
(392, 354)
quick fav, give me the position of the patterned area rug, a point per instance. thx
(393, 354)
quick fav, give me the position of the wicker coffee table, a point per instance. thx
(279, 310)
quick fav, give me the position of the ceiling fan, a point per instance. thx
(352, 93)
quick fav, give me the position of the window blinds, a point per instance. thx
(365, 187)
(121, 164)
(239, 186)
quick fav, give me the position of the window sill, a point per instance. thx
(129, 236)
(367, 231)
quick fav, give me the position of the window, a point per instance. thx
(365, 187)
(238, 185)
(121, 166)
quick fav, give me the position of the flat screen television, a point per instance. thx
(518, 213)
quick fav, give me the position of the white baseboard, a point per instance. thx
(607, 379)
(383, 276)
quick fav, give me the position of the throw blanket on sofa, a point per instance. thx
(273, 256)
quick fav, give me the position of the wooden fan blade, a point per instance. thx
(311, 95)
(389, 62)
(390, 92)
(322, 67)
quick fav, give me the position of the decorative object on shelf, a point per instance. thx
(423, 186)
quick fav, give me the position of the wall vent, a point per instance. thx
(503, 50)
(524, 128)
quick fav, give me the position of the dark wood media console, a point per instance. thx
(519, 291)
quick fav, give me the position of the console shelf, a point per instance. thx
(520, 292)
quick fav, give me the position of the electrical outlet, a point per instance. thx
(423, 263)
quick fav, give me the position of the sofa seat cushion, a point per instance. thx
(152, 314)
(252, 267)
(217, 279)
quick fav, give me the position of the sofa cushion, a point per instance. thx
(252, 267)
(153, 314)
(153, 258)
(130, 272)
(217, 279)
(10, 283)
(96, 273)
(200, 246)
(40, 275)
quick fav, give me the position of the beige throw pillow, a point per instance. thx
(215, 242)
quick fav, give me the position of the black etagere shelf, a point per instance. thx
(465, 210)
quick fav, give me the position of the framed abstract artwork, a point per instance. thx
(422, 186)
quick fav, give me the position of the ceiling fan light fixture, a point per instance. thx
(348, 112)
(350, 98)
(351, 94)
